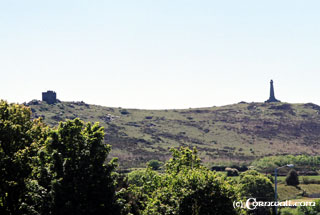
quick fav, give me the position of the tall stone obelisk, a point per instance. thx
(272, 98)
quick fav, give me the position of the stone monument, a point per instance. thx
(272, 98)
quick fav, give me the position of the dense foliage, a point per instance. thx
(16, 138)
(186, 187)
(53, 171)
(268, 164)
(155, 164)
(292, 178)
(253, 184)
(309, 210)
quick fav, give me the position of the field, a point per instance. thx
(232, 134)
(293, 193)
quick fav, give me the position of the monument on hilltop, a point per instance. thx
(272, 98)
(50, 97)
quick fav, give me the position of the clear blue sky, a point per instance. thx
(159, 54)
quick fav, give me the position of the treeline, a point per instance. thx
(305, 164)
(66, 170)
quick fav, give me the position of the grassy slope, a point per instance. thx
(289, 192)
(235, 133)
(286, 192)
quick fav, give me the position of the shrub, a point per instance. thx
(306, 180)
(218, 168)
(292, 178)
(242, 168)
(309, 210)
(124, 112)
(232, 172)
(136, 177)
(155, 164)
(253, 184)
(271, 178)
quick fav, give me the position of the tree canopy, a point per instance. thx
(54, 171)
(186, 187)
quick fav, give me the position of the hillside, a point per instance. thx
(237, 133)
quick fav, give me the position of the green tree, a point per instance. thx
(81, 180)
(252, 184)
(292, 178)
(182, 159)
(256, 185)
(187, 187)
(142, 184)
(192, 192)
(17, 135)
(54, 171)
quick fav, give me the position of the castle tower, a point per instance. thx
(272, 98)
(50, 97)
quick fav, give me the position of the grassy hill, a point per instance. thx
(237, 133)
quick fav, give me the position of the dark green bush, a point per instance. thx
(292, 178)
(232, 172)
(124, 112)
(155, 164)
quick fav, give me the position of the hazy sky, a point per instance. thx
(159, 54)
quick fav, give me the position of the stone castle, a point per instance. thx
(50, 97)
